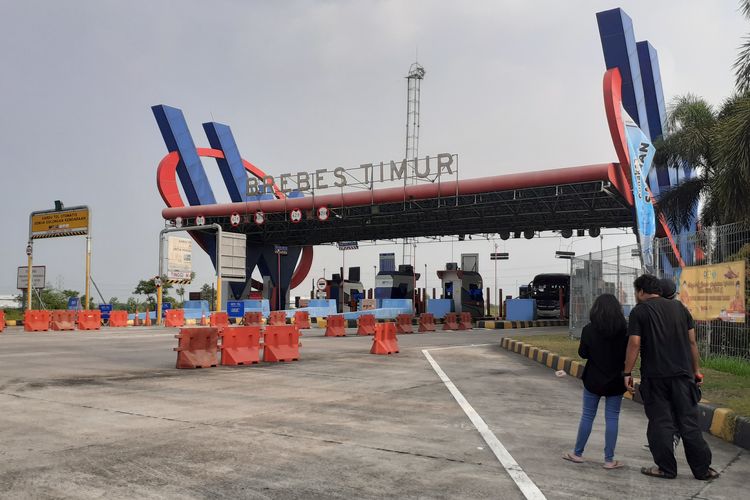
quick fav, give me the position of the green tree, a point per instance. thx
(131, 305)
(717, 143)
(147, 287)
(742, 63)
(207, 293)
(49, 298)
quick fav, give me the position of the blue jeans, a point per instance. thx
(611, 419)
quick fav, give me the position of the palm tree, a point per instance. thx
(690, 125)
(742, 64)
(717, 144)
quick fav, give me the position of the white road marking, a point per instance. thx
(458, 346)
(526, 485)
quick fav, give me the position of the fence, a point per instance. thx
(613, 271)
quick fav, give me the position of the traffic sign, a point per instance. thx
(564, 255)
(105, 309)
(235, 308)
(178, 222)
(200, 220)
(38, 277)
(28, 249)
(295, 215)
(323, 214)
(321, 284)
(280, 249)
(259, 218)
(235, 219)
(499, 256)
(74, 303)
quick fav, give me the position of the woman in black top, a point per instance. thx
(603, 344)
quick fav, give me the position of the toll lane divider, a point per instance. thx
(240, 345)
(198, 347)
(62, 320)
(385, 341)
(723, 423)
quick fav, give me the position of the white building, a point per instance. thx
(8, 302)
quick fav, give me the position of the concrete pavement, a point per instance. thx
(92, 414)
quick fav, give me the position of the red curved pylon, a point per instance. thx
(166, 181)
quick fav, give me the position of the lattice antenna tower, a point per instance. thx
(413, 97)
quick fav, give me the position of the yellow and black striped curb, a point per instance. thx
(503, 325)
(720, 422)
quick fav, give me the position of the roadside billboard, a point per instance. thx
(714, 292)
(641, 153)
(179, 258)
(38, 277)
(51, 224)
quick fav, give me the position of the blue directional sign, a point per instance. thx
(235, 308)
(74, 304)
(165, 306)
(105, 309)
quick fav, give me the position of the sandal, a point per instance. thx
(711, 474)
(615, 464)
(572, 458)
(655, 471)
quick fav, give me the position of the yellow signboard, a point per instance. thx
(62, 223)
(714, 292)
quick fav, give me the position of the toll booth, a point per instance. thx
(463, 286)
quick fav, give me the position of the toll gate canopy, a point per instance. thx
(590, 196)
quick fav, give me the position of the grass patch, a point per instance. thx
(727, 381)
(727, 365)
(13, 314)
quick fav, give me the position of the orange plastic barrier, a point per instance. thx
(385, 341)
(89, 320)
(403, 323)
(451, 322)
(2, 320)
(240, 345)
(366, 325)
(302, 319)
(252, 319)
(197, 347)
(335, 326)
(220, 319)
(62, 320)
(36, 321)
(174, 317)
(277, 318)
(464, 321)
(118, 318)
(426, 322)
(280, 343)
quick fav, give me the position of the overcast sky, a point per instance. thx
(511, 86)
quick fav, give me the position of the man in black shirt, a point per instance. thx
(663, 332)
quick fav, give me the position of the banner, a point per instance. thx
(179, 258)
(714, 292)
(641, 153)
(61, 223)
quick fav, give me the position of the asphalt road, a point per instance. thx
(105, 414)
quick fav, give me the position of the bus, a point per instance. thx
(545, 288)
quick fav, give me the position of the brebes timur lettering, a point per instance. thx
(364, 175)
